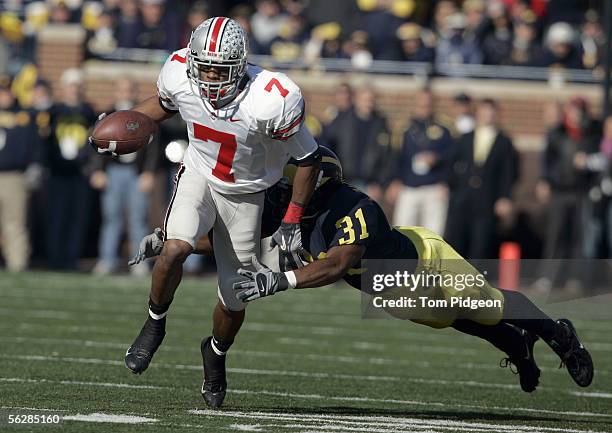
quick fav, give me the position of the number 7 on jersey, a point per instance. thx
(227, 151)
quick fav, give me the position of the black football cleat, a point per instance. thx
(524, 362)
(573, 354)
(139, 355)
(214, 385)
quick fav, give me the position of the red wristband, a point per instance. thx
(294, 213)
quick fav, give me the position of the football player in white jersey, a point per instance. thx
(244, 123)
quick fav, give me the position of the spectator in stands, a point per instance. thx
(443, 10)
(414, 49)
(464, 114)
(476, 18)
(484, 170)
(381, 25)
(343, 102)
(112, 5)
(592, 40)
(360, 137)
(158, 29)
(419, 189)
(344, 12)
(198, 13)
(497, 44)
(526, 50)
(68, 192)
(242, 14)
(565, 187)
(357, 49)
(126, 182)
(60, 13)
(5, 54)
(518, 8)
(324, 43)
(102, 40)
(453, 48)
(128, 24)
(19, 154)
(606, 182)
(42, 99)
(41, 105)
(596, 165)
(561, 48)
(287, 45)
(266, 23)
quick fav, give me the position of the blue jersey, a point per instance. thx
(19, 141)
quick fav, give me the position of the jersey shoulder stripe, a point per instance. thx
(287, 132)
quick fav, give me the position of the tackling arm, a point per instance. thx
(330, 269)
(265, 282)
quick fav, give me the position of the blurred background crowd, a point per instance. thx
(566, 33)
(64, 207)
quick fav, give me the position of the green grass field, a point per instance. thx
(304, 362)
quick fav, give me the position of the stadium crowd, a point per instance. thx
(454, 175)
(544, 33)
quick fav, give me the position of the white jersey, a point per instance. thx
(242, 147)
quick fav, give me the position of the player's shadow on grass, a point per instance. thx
(433, 414)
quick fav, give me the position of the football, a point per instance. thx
(124, 132)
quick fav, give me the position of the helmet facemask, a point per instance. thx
(217, 93)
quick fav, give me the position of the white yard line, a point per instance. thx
(288, 373)
(79, 383)
(110, 418)
(320, 397)
(251, 325)
(592, 394)
(350, 422)
(41, 409)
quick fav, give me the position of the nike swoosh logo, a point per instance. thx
(234, 120)
(262, 283)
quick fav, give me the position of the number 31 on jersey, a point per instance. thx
(347, 225)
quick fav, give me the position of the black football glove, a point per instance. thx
(262, 282)
(288, 238)
(150, 246)
(106, 152)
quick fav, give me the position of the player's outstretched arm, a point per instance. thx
(264, 282)
(329, 269)
(153, 108)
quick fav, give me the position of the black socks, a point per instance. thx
(220, 347)
(521, 312)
